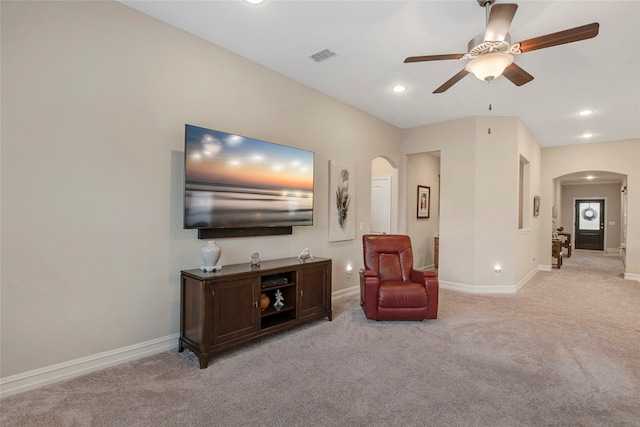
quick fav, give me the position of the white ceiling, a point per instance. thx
(372, 38)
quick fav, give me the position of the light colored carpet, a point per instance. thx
(564, 351)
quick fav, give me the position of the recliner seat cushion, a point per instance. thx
(399, 294)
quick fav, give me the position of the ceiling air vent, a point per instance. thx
(322, 55)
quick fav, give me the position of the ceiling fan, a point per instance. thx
(491, 54)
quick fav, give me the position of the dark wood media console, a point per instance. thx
(221, 310)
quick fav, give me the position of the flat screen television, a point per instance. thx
(241, 184)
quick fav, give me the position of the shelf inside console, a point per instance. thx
(272, 317)
(272, 310)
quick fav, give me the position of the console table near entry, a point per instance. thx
(556, 252)
(566, 242)
(221, 310)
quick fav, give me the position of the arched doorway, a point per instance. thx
(590, 207)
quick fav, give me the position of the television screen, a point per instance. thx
(236, 182)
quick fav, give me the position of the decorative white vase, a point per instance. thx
(210, 255)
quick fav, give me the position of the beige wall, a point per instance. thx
(457, 197)
(478, 200)
(527, 255)
(621, 157)
(94, 100)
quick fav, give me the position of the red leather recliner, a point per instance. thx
(390, 289)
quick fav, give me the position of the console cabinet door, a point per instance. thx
(235, 313)
(313, 290)
(193, 312)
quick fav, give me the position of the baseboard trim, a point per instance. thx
(36, 378)
(528, 277)
(353, 290)
(632, 276)
(483, 289)
(489, 289)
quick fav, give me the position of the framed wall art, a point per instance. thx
(423, 202)
(536, 206)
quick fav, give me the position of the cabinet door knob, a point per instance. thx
(255, 304)
(301, 292)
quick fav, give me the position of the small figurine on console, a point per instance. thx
(305, 255)
(255, 259)
(279, 300)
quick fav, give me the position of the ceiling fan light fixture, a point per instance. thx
(490, 65)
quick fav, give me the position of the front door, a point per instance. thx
(590, 224)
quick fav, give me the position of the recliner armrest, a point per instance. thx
(430, 281)
(368, 273)
(370, 280)
(420, 276)
(369, 284)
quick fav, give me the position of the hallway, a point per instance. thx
(603, 263)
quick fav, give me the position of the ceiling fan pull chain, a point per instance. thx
(490, 95)
(490, 106)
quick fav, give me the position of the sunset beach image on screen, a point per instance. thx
(232, 181)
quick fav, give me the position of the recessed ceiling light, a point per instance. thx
(585, 112)
(590, 177)
(399, 88)
(255, 1)
(587, 135)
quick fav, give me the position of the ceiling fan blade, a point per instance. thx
(433, 57)
(499, 21)
(453, 80)
(517, 75)
(562, 37)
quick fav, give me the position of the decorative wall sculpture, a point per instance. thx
(342, 194)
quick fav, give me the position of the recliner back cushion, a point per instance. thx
(389, 267)
(388, 254)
